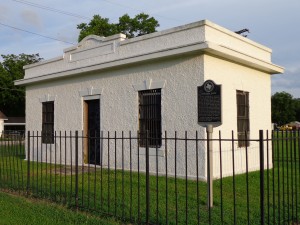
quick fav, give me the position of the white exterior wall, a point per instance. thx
(119, 108)
(119, 100)
(235, 77)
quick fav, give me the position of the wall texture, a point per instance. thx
(119, 103)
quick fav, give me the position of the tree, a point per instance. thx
(283, 108)
(297, 108)
(12, 98)
(140, 25)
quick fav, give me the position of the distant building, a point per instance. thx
(11, 124)
(15, 124)
(113, 76)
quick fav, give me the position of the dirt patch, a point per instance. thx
(68, 170)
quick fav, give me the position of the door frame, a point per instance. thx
(85, 126)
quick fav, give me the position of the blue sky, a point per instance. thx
(274, 23)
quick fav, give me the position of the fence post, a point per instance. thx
(209, 131)
(28, 163)
(76, 168)
(262, 186)
(147, 180)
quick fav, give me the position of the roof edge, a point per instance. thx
(195, 48)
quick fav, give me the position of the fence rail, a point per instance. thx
(113, 174)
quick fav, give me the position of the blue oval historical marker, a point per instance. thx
(209, 104)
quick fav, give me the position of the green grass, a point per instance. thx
(20, 210)
(127, 202)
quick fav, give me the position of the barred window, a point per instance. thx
(243, 123)
(48, 123)
(150, 117)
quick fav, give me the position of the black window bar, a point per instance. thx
(48, 123)
(243, 123)
(150, 117)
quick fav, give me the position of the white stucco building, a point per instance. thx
(113, 74)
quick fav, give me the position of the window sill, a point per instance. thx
(152, 151)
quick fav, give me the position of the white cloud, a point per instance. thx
(4, 11)
(176, 5)
(32, 18)
(288, 82)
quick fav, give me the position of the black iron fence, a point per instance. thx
(114, 174)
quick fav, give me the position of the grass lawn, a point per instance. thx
(172, 201)
(21, 210)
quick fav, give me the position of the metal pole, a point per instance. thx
(147, 179)
(209, 132)
(28, 163)
(76, 168)
(261, 157)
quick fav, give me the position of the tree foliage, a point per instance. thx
(12, 98)
(283, 108)
(132, 27)
(297, 108)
